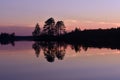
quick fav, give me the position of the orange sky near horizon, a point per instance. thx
(84, 14)
(70, 24)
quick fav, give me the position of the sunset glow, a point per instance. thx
(85, 14)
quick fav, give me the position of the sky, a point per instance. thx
(85, 14)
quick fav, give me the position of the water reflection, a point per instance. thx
(36, 46)
(6, 42)
(58, 50)
(78, 61)
(51, 50)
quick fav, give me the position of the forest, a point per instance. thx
(56, 32)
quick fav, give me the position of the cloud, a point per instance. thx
(71, 21)
(104, 23)
(89, 24)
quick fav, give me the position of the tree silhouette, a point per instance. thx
(60, 28)
(37, 30)
(49, 27)
(6, 38)
(77, 29)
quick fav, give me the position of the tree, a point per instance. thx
(49, 27)
(77, 29)
(37, 30)
(60, 28)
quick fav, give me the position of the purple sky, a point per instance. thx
(75, 13)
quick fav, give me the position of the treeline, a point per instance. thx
(6, 38)
(55, 31)
(95, 35)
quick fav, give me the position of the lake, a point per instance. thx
(37, 61)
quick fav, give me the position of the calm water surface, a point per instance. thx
(22, 62)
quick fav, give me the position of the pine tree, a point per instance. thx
(60, 28)
(37, 30)
(49, 27)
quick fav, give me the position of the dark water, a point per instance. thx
(31, 61)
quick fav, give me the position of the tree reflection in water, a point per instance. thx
(51, 50)
(54, 49)
(36, 46)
